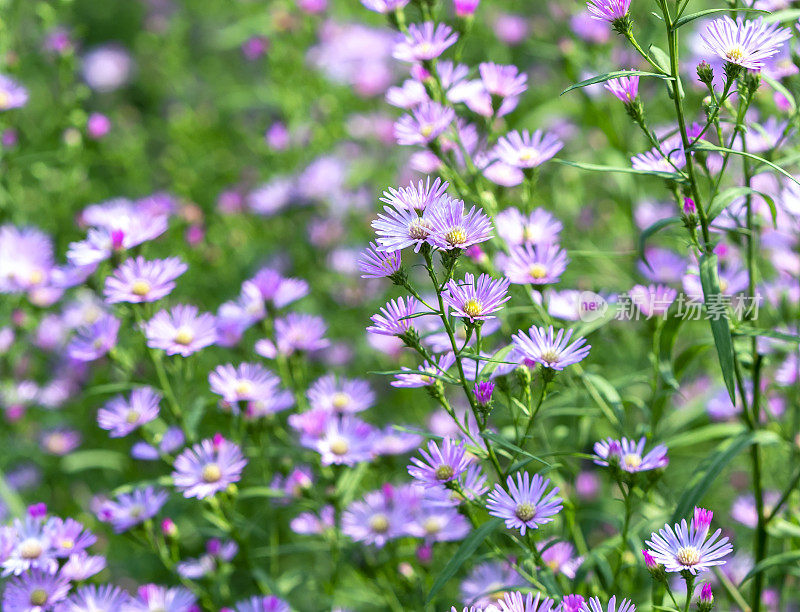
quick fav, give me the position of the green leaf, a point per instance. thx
(598, 168)
(80, 461)
(662, 59)
(611, 405)
(702, 145)
(778, 86)
(782, 559)
(464, 552)
(260, 492)
(669, 335)
(720, 326)
(708, 471)
(656, 227)
(602, 78)
(689, 18)
(722, 200)
(784, 15)
(766, 333)
(512, 447)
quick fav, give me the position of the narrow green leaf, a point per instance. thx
(720, 325)
(723, 200)
(702, 145)
(653, 229)
(662, 59)
(98, 459)
(707, 472)
(598, 168)
(612, 402)
(602, 78)
(766, 333)
(784, 15)
(781, 559)
(464, 552)
(689, 18)
(512, 447)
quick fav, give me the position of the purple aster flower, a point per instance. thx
(309, 523)
(68, 536)
(454, 228)
(594, 605)
(416, 197)
(120, 234)
(744, 509)
(439, 465)
(393, 441)
(625, 89)
(526, 150)
(121, 416)
(375, 263)
(542, 345)
(424, 42)
(27, 545)
(106, 597)
(525, 505)
(608, 10)
(60, 441)
(655, 160)
(538, 227)
(483, 391)
(484, 584)
(82, 566)
(665, 266)
(155, 598)
(277, 289)
(437, 523)
(340, 395)
(654, 300)
(560, 557)
(26, 258)
(745, 43)
(94, 340)
(130, 509)
(472, 483)
(299, 332)
(393, 319)
(502, 86)
(425, 374)
(345, 441)
(688, 548)
(384, 6)
(424, 125)
(208, 467)
(400, 227)
(171, 440)
(12, 94)
(248, 382)
(270, 603)
(374, 520)
(572, 603)
(138, 280)
(34, 592)
(537, 265)
(515, 601)
(629, 455)
(181, 331)
(476, 301)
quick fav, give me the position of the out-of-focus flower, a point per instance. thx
(138, 280)
(525, 150)
(120, 416)
(181, 331)
(130, 509)
(208, 467)
(12, 94)
(107, 68)
(537, 265)
(424, 42)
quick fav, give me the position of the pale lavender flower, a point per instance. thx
(538, 227)
(526, 505)
(440, 465)
(594, 605)
(425, 123)
(299, 332)
(745, 43)
(375, 519)
(392, 441)
(208, 467)
(629, 455)
(278, 289)
(107, 67)
(181, 331)
(95, 340)
(402, 227)
(247, 382)
(171, 440)
(120, 416)
(537, 265)
(437, 523)
(486, 581)
(502, 82)
(376, 263)
(268, 603)
(454, 228)
(105, 597)
(525, 150)
(744, 508)
(82, 566)
(60, 441)
(625, 89)
(542, 345)
(340, 395)
(270, 198)
(653, 300)
(425, 375)
(26, 258)
(424, 42)
(138, 280)
(130, 509)
(345, 441)
(572, 603)
(155, 598)
(416, 197)
(34, 592)
(669, 159)
(608, 10)
(121, 233)
(515, 601)
(688, 548)
(384, 6)
(560, 557)
(476, 301)
(12, 94)
(28, 545)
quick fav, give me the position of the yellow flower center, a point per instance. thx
(444, 472)
(132, 417)
(243, 387)
(419, 229)
(537, 271)
(525, 511)
(31, 549)
(38, 597)
(140, 288)
(432, 525)
(426, 130)
(735, 54)
(67, 543)
(553, 565)
(184, 336)
(340, 400)
(36, 276)
(339, 446)
(632, 460)
(550, 357)
(688, 555)
(456, 236)
(5, 100)
(473, 307)
(379, 523)
(212, 473)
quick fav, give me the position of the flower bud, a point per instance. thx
(706, 601)
(705, 73)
